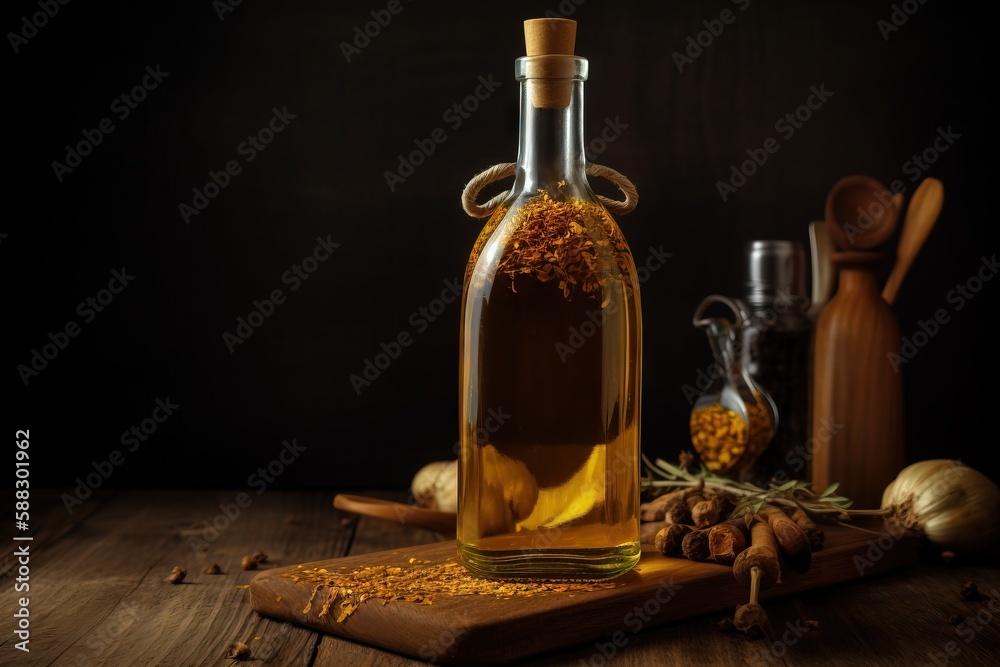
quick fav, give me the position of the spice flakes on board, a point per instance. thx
(421, 585)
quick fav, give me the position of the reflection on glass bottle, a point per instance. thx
(734, 419)
(551, 340)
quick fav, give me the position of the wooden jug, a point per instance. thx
(857, 412)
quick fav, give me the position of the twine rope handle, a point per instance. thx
(498, 172)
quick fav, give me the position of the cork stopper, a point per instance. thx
(545, 37)
(548, 41)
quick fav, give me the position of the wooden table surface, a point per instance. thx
(97, 595)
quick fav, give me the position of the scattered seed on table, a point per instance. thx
(176, 575)
(238, 651)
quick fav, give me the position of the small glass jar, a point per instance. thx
(733, 420)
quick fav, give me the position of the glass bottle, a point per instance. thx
(550, 359)
(778, 352)
(733, 419)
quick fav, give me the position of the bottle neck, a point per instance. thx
(857, 271)
(550, 145)
(858, 279)
(726, 347)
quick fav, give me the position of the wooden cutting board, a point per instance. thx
(485, 630)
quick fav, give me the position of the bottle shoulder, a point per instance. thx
(571, 241)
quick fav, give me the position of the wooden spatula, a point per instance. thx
(921, 214)
(398, 513)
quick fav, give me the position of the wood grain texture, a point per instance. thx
(477, 629)
(372, 536)
(857, 414)
(51, 521)
(98, 598)
(98, 595)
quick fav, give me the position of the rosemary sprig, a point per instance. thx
(750, 497)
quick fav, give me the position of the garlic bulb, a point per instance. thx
(949, 503)
(435, 486)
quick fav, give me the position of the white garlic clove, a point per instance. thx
(446, 488)
(435, 486)
(424, 484)
(951, 504)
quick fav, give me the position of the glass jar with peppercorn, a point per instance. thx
(777, 354)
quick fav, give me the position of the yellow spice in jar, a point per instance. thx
(719, 435)
(723, 438)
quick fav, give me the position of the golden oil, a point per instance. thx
(550, 373)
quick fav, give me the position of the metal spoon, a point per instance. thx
(821, 246)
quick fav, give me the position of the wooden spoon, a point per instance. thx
(399, 513)
(860, 212)
(824, 273)
(923, 212)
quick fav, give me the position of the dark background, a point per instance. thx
(323, 176)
